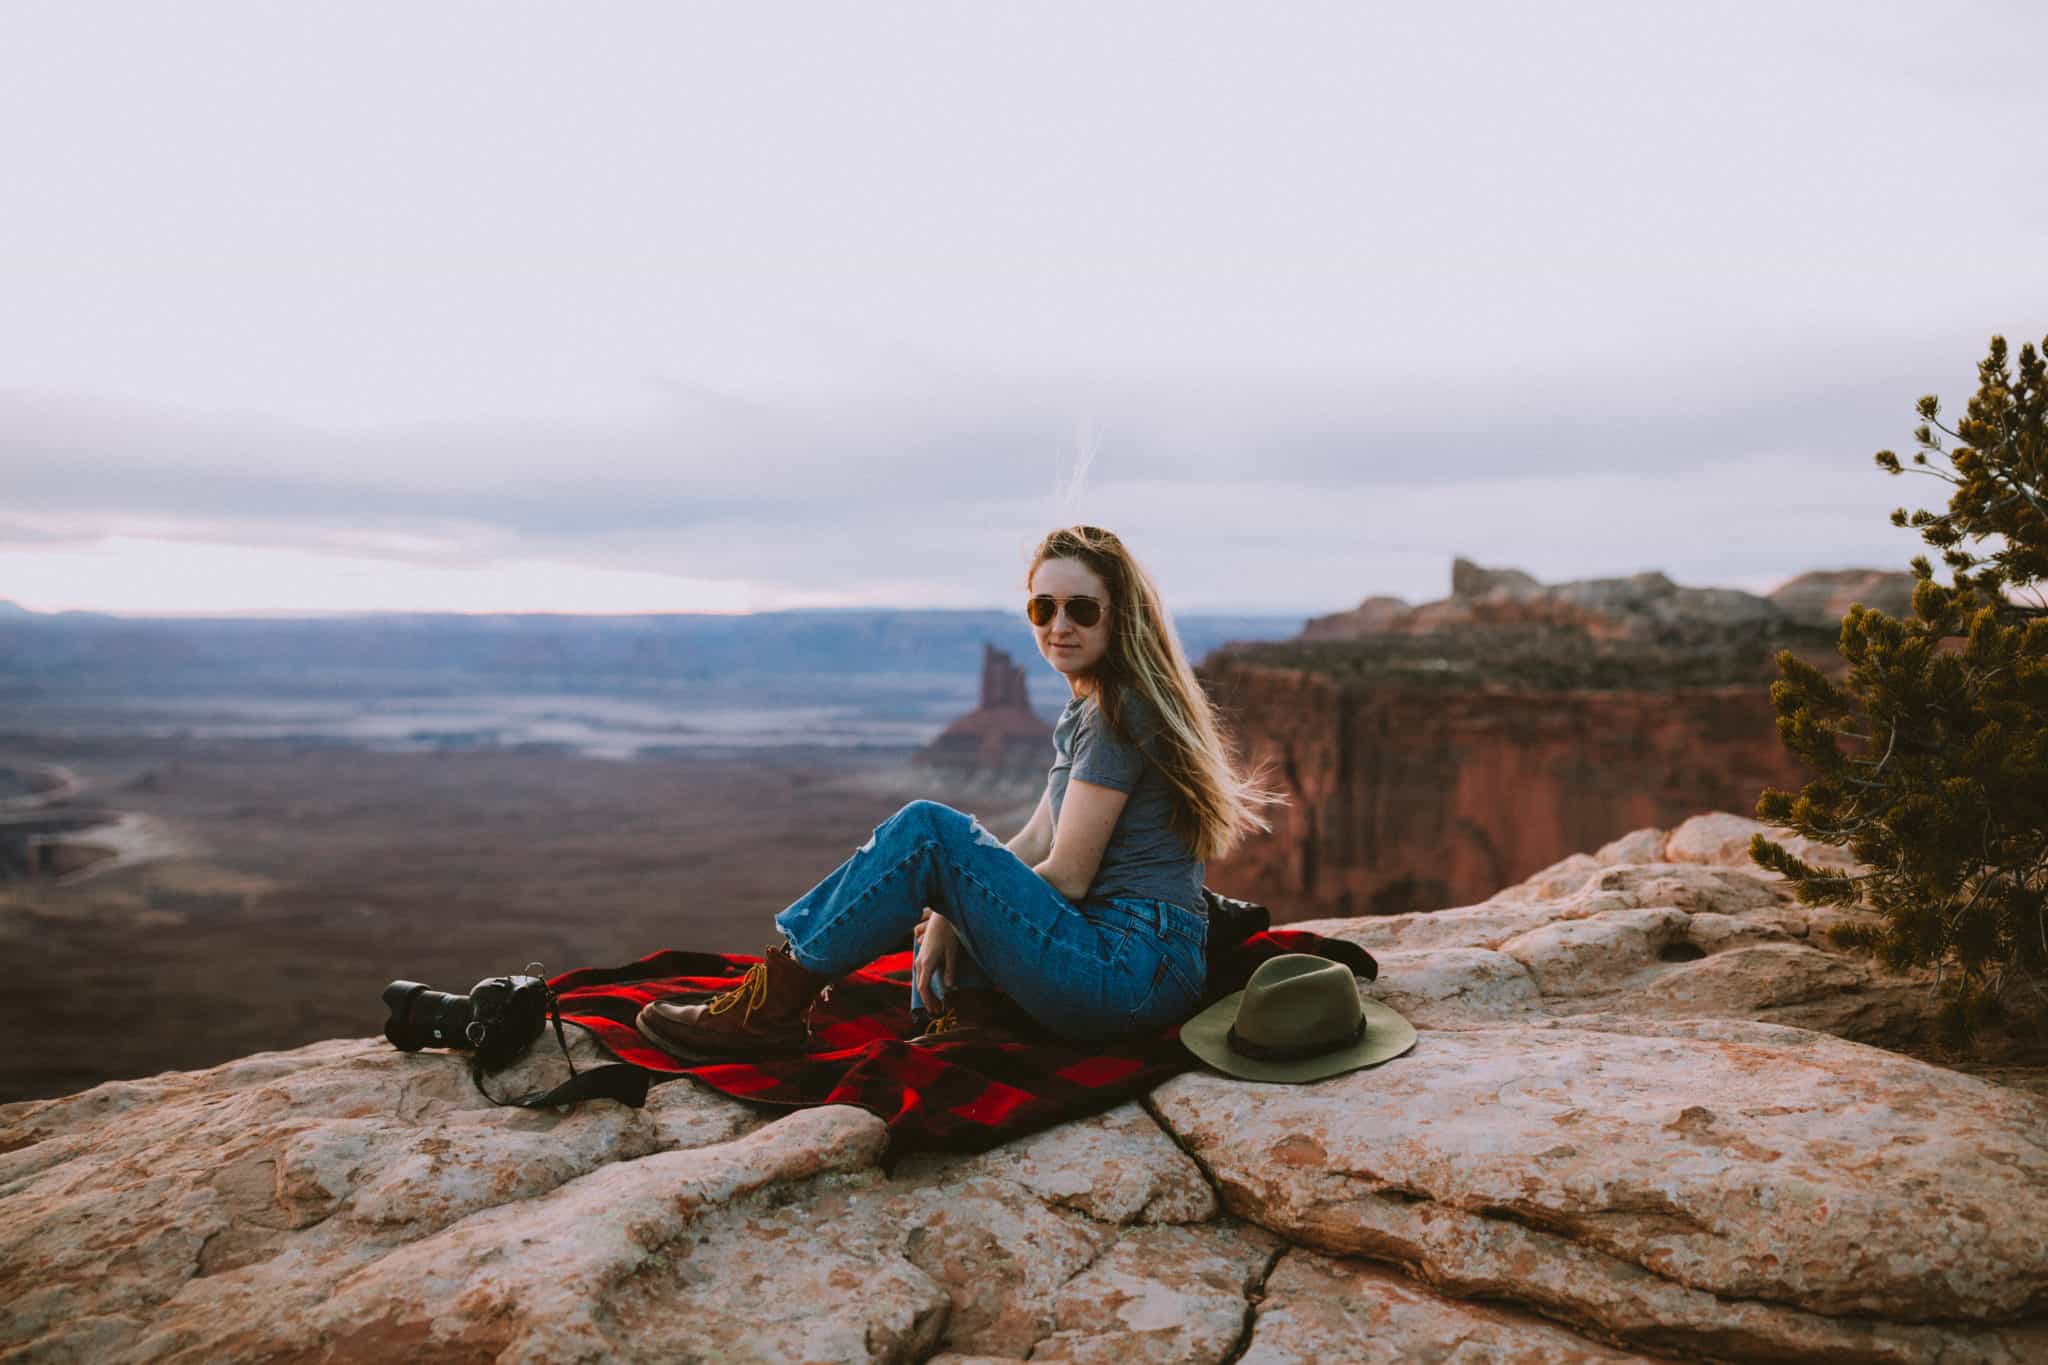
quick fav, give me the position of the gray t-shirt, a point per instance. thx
(1145, 857)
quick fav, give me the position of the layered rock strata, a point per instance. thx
(1638, 606)
(1638, 1124)
(1410, 795)
(1435, 752)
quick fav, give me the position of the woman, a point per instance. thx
(1092, 918)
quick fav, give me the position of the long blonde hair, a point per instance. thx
(1215, 806)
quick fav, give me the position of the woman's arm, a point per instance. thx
(1034, 842)
(1087, 818)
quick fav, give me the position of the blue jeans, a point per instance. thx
(1107, 967)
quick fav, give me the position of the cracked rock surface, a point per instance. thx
(1642, 1122)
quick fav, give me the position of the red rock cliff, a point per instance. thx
(1434, 753)
(1417, 797)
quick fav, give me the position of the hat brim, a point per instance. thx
(1387, 1035)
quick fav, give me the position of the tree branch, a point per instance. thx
(2017, 487)
(1887, 751)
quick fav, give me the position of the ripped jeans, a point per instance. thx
(1103, 968)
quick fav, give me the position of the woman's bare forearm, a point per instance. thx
(1072, 893)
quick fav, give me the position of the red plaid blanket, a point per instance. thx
(963, 1096)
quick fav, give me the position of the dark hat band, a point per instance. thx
(1288, 1052)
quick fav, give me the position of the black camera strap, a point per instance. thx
(617, 1081)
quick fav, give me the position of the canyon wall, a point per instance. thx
(1433, 752)
(1407, 797)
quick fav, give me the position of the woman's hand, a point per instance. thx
(938, 944)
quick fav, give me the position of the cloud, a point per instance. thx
(907, 516)
(79, 467)
(1308, 300)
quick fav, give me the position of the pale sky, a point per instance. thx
(644, 307)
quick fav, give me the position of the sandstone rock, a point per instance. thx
(1712, 932)
(1598, 952)
(348, 1198)
(1638, 846)
(1595, 1136)
(1680, 885)
(1162, 1294)
(129, 1202)
(1117, 1168)
(597, 1267)
(1324, 1308)
(1455, 987)
(1722, 839)
(1789, 983)
(1656, 939)
(1561, 878)
(1792, 1196)
(1547, 899)
(1485, 926)
(1004, 1231)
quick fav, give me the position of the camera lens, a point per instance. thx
(424, 1017)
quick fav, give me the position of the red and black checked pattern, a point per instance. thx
(964, 1096)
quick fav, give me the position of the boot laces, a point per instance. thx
(753, 988)
(949, 1020)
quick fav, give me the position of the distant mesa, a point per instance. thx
(1373, 616)
(1644, 606)
(1825, 596)
(1001, 738)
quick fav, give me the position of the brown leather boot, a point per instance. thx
(765, 1015)
(977, 1014)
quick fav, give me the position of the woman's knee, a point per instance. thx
(953, 826)
(912, 815)
(935, 815)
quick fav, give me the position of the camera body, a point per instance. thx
(497, 1020)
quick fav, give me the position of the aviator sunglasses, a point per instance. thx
(1082, 611)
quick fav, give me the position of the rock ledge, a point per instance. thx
(1644, 1121)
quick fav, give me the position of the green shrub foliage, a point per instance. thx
(1942, 792)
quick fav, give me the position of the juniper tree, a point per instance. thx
(1943, 793)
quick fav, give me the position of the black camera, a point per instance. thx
(497, 1020)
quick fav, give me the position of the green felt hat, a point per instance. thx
(1300, 1018)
